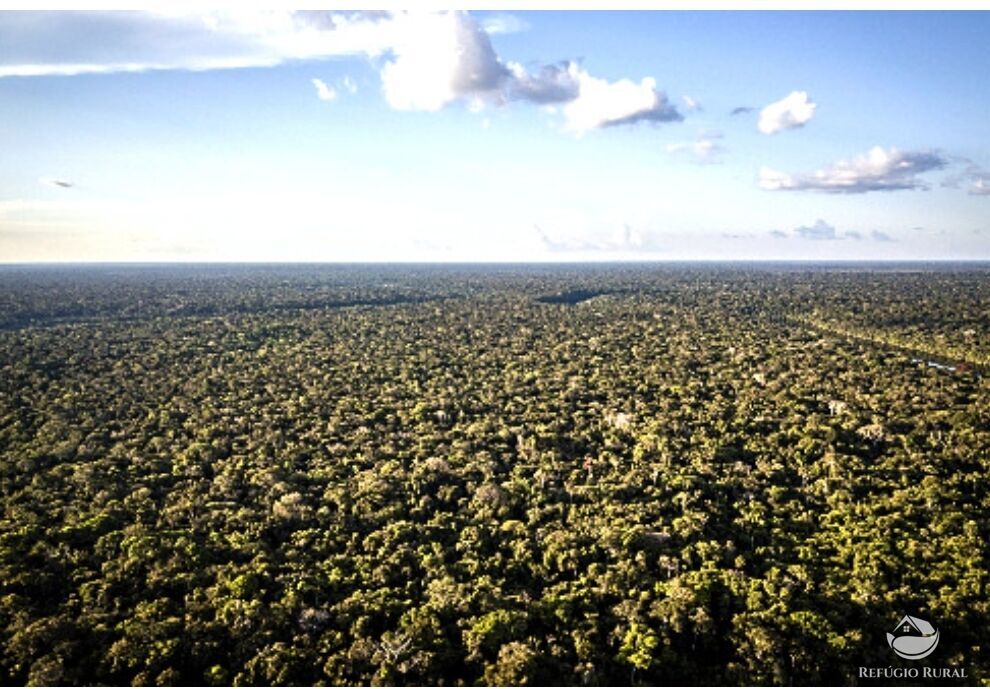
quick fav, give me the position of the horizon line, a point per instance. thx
(10, 264)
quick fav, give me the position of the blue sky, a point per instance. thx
(480, 136)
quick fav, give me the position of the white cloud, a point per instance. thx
(794, 110)
(601, 103)
(557, 83)
(691, 103)
(878, 169)
(349, 85)
(981, 187)
(773, 180)
(443, 58)
(704, 149)
(439, 58)
(324, 92)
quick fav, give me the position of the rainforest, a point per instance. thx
(596, 474)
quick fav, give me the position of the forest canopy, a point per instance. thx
(627, 474)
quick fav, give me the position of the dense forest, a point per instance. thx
(587, 475)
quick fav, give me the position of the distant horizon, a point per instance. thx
(616, 262)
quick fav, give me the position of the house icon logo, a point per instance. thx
(913, 638)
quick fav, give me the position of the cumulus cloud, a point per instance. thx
(601, 103)
(441, 58)
(877, 170)
(323, 91)
(792, 111)
(557, 83)
(820, 231)
(704, 149)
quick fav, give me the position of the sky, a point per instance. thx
(494, 136)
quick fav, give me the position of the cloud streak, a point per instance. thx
(878, 169)
(60, 183)
(70, 43)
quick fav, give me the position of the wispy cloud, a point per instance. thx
(793, 111)
(60, 183)
(68, 43)
(502, 23)
(977, 178)
(705, 149)
(323, 91)
(741, 110)
(691, 103)
(877, 170)
(881, 236)
(621, 238)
